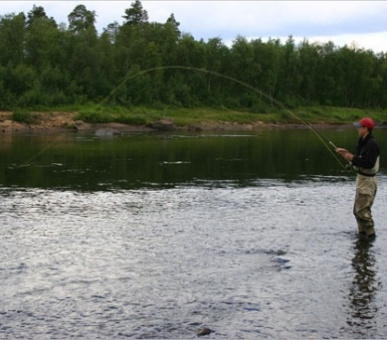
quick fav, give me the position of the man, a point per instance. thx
(366, 162)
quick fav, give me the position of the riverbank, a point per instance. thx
(67, 121)
(147, 120)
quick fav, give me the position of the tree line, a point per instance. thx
(44, 64)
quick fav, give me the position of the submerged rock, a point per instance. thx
(106, 132)
(203, 331)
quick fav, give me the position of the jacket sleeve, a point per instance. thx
(368, 155)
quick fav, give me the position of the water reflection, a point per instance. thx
(363, 290)
(165, 160)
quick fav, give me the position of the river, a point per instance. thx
(250, 235)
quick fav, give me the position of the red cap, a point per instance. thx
(366, 122)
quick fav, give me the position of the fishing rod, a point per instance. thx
(324, 140)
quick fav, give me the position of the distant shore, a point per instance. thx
(59, 122)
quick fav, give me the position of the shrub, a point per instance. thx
(22, 116)
(134, 119)
(92, 116)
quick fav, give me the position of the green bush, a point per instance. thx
(22, 116)
(134, 119)
(93, 117)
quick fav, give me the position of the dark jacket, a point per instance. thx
(367, 154)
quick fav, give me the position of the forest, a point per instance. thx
(44, 64)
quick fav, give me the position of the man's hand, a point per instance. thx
(345, 153)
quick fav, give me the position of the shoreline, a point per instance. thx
(61, 122)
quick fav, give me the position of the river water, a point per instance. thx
(158, 235)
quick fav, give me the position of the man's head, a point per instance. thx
(364, 126)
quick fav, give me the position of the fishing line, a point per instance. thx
(324, 140)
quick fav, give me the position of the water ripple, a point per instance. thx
(275, 261)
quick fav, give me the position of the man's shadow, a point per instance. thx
(362, 293)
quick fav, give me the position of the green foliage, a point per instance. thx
(134, 119)
(94, 116)
(136, 14)
(23, 116)
(81, 19)
(116, 114)
(43, 64)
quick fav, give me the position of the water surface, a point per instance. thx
(156, 236)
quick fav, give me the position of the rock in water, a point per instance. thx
(106, 132)
(203, 331)
(165, 124)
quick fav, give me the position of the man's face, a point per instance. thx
(362, 131)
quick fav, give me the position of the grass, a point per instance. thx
(23, 116)
(181, 116)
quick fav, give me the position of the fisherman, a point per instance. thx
(366, 162)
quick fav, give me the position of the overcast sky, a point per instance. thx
(342, 22)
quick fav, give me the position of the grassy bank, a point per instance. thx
(196, 116)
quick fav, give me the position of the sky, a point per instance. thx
(353, 23)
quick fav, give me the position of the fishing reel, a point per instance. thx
(349, 167)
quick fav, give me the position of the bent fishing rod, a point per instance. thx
(324, 140)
